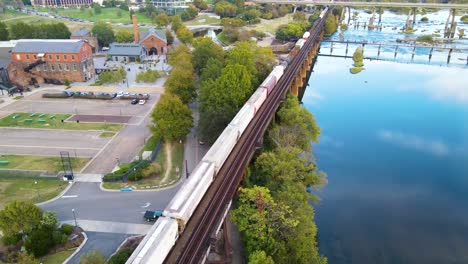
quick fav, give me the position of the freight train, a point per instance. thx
(163, 235)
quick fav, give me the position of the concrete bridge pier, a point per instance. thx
(430, 54)
(378, 51)
(380, 15)
(450, 25)
(409, 23)
(413, 53)
(349, 14)
(396, 52)
(414, 15)
(449, 56)
(346, 52)
(371, 20)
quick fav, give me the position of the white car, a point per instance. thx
(120, 94)
(142, 102)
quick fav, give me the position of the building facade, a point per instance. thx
(86, 35)
(56, 3)
(153, 40)
(51, 61)
(126, 52)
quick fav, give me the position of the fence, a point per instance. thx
(18, 173)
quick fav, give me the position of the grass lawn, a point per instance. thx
(26, 190)
(107, 15)
(177, 161)
(52, 164)
(107, 134)
(46, 121)
(221, 38)
(57, 258)
(203, 20)
(271, 25)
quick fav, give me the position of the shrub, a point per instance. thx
(425, 38)
(40, 241)
(355, 70)
(111, 177)
(464, 19)
(120, 257)
(358, 56)
(66, 82)
(135, 175)
(11, 239)
(358, 64)
(67, 229)
(424, 19)
(153, 170)
(344, 27)
(147, 76)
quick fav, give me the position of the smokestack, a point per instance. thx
(136, 32)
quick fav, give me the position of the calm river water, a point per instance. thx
(394, 144)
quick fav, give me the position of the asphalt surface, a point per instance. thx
(50, 142)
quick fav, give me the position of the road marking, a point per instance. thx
(143, 212)
(69, 196)
(147, 205)
(102, 149)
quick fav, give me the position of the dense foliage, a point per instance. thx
(182, 80)
(147, 76)
(120, 257)
(3, 31)
(124, 36)
(330, 25)
(273, 210)
(104, 33)
(112, 76)
(21, 30)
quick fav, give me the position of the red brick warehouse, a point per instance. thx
(49, 60)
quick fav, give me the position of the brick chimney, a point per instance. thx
(136, 32)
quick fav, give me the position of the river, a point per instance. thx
(394, 145)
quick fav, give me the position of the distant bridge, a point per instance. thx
(366, 4)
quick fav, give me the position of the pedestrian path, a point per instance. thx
(87, 177)
(110, 227)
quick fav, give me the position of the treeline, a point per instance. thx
(273, 211)
(22, 30)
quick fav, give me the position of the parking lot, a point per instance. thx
(123, 146)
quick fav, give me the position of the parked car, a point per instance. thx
(134, 102)
(152, 215)
(120, 94)
(142, 102)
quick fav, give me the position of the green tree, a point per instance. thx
(171, 118)
(104, 33)
(222, 98)
(21, 30)
(50, 220)
(181, 57)
(19, 216)
(205, 49)
(283, 10)
(120, 257)
(330, 25)
(176, 23)
(123, 36)
(184, 35)
(162, 20)
(3, 31)
(97, 8)
(92, 257)
(299, 16)
(225, 9)
(260, 257)
(181, 82)
(200, 4)
(169, 37)
(40, 241)
(212, 69)
(358, 57)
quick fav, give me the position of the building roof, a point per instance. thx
(125, 49)
(80, 33)
(160, 34)
(99, 63)
(8, 44)
(48, 45)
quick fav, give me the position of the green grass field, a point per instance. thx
(57, 258)
(45, 121)
(107, 15)
(28, 190)
(52, 164)
(202, 20)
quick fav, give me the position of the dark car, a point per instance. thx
(134, 101)
(152, 215)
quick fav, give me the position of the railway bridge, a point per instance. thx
(201, 233)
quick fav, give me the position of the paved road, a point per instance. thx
(50, 142)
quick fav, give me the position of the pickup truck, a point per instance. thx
(152, 215)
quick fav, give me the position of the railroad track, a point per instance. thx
(193, 243)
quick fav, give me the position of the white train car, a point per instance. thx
(306, 35)
(157, 243)
(300, 43)
(271, 80)
(257, 98)
(243, 118)
(222, 147)
(186, 200)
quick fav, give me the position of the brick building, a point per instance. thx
(56, 3)
(86, 35)
(153, 40)
(51, 61)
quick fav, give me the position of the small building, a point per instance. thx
(86, 35)
(35, 61)
(153, 40)
(126, 52)
(5, 49)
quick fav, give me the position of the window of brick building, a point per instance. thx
(67, 68)
(35, 57)
(60, 67)
(57, 57)
(52, 68)
(50, 57)
(73, 57)
(65, 57)
(75, 68)
(44, 67)
(27, 56)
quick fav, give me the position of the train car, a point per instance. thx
(300, 43)
(271, 80)
(186, 200)
(257, 98)
(157, 243)
(222, 147)
(306, 35)
(243, 118)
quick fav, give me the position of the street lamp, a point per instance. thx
(37, 190)
(74, 216)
